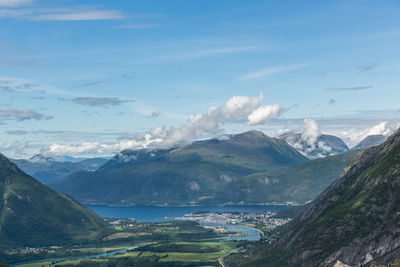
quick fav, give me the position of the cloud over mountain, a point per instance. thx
(236, 109)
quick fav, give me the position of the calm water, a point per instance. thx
(159, 214)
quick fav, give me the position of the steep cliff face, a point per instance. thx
(355, 221)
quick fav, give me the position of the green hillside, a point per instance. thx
(32, 214)
(300, 184)
(355, 221)
(248, 168)
(187, 175)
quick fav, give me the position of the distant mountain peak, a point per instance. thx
(252, 134)
(371, 140)
(38, 158)
(316, 146)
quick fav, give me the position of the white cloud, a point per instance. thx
(237, 108)
(270, 71)
(311, 132)
(307, 141)
(263, 113)
(355, 136)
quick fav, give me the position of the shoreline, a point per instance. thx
(183, 206)
(255, 229)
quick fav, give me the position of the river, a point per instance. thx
(160, 214)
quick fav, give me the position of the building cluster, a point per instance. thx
(28, 250)
(235, 218)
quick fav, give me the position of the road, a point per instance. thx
(221, 259)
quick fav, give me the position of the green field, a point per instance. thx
(181, 256)
(178, 243)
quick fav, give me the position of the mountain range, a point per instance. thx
(247, 168)
(47, 169)
(355, 221)
(182, 176)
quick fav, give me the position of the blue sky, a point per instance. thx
(93, 77)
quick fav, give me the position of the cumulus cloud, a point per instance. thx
(263, 114)
(97, 101)
(22, 115)
(311, 133)
(236, 109)
(308, 141)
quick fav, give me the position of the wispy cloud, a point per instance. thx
(18, 9)
(17, 132)
(364, 68)
(204, 53)
(93, 82)
(22, 115)
(355, 88)
(25, 85)
(14, 3)
(139, 26)
(76, 16)
(97, 101)
(270, 71)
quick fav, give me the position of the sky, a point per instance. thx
(91, 78)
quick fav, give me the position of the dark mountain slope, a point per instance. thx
(186, 175)
(356, 220)
(300, 184)
(32, 214)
